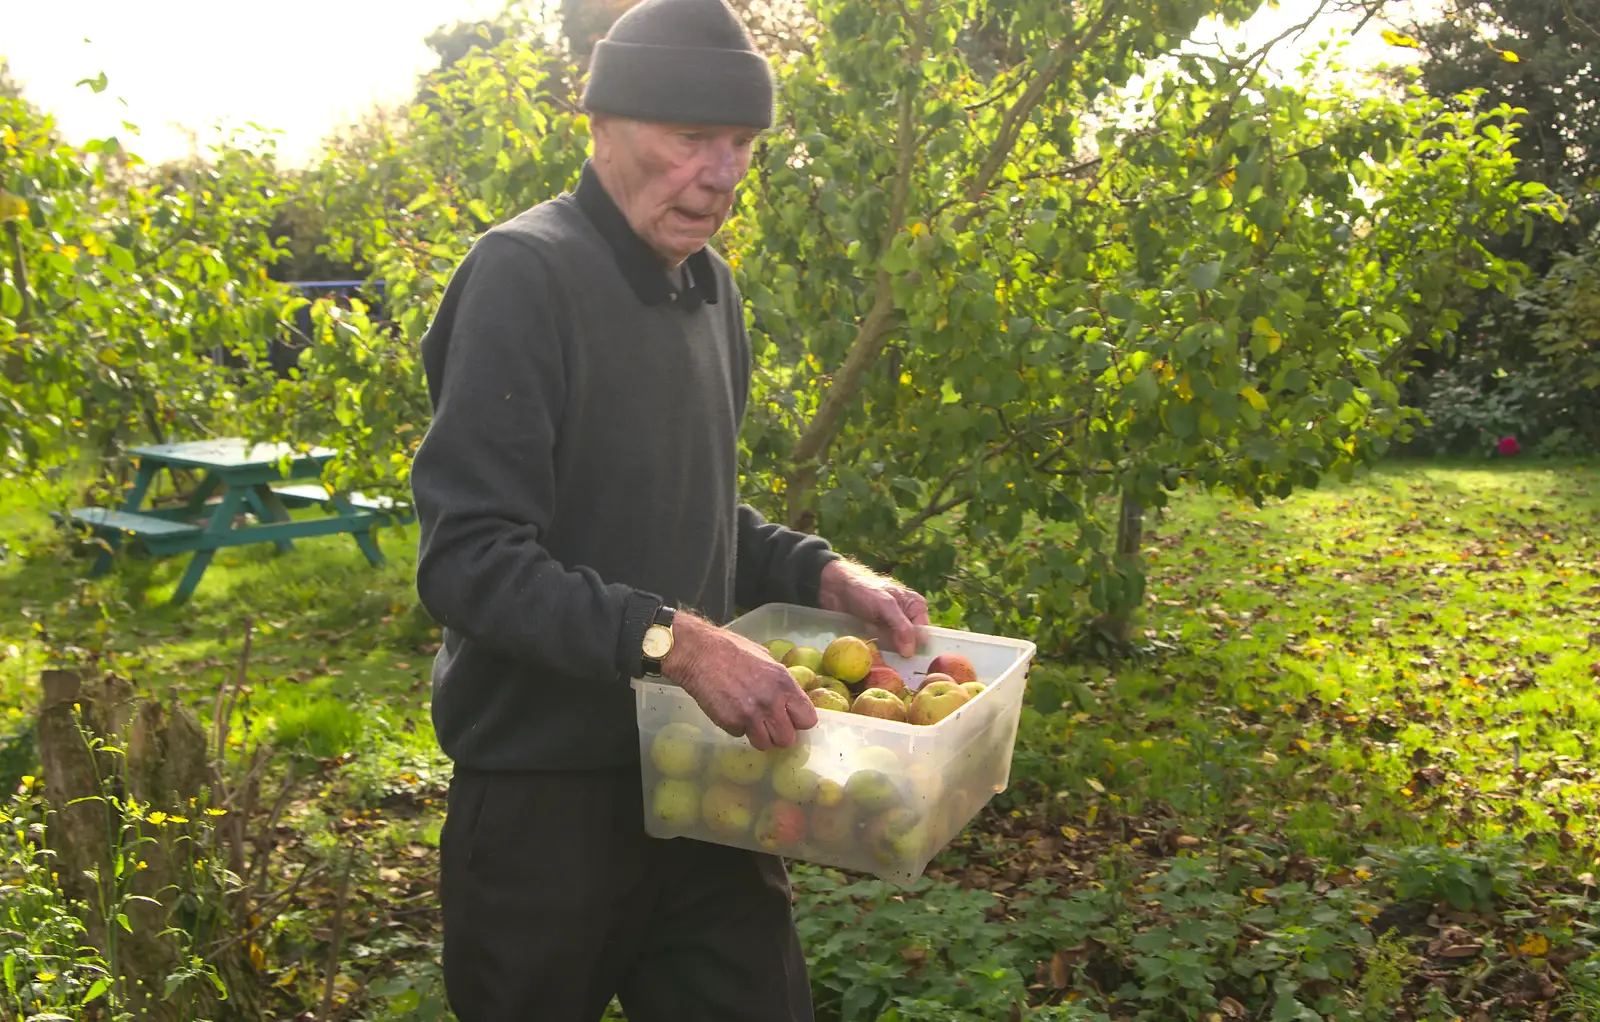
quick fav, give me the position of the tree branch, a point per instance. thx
(1017, 114)
(875, 327)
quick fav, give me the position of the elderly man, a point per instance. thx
(580, 526)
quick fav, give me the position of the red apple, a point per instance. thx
(887, 678)
(956, 666)
(780, 825)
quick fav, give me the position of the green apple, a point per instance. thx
(824, 698)
(779, 648)
(803, 656)
(927, 784)
(781, 825)
(741, 763)
(676, 748)
(847, 658)
(879, 757)
(803, 676)
(873, 790)
(875, 702)
(728, 809)
(972, 688)
(676, 802)
(896, 836)
(829, 792)
(791, 778)
(823, 681)
(833, 824)
(937, 699)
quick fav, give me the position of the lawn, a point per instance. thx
(1349, 774)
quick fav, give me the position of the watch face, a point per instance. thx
(657, 642)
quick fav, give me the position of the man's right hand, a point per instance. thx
(737, 683)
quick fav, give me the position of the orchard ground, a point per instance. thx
(1351, 773)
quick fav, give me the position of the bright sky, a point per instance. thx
(299, 67)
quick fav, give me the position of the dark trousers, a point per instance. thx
(555, 899)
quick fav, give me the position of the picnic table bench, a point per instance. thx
(237, 477)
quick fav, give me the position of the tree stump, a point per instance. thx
(163, 761)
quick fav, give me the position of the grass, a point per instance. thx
(1351, 775)
(1386, 687)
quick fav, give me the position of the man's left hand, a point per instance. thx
(850, 588)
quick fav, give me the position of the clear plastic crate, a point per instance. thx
(856, 792)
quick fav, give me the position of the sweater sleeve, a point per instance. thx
(777, 564)
(484, 480)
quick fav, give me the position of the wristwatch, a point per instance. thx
(657, 642)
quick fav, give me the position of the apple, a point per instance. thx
(956, 665)
(877, 654)
(879, 757)
(829, 792)
(803, 656)
(791, 778)
(827, 699)
(847, 658)
(875, 702)
(727, 808)
(741, 764)
(676, 748)
(896, 837)
(972, 688)
(823, 681)
(780, 825)
(779, 648)
(887, 678)
(833, 824)
(935, 701)
(676, 802)
(803, 676)
(927, 783)
(873, 790)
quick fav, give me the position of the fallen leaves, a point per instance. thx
(1455, 942)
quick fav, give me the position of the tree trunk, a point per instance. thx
(164, 764)
(1118, 625)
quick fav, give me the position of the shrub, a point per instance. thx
(1470, 408)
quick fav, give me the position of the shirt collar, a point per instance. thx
(639, 264)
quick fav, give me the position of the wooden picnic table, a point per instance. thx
(237, 477)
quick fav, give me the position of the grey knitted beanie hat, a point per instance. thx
(680, 62)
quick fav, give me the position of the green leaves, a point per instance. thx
(1205, 276)
(1196, 292)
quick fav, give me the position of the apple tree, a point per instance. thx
(134, 301)
(988, 300)
(1015, 271)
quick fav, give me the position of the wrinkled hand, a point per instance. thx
(850, 588)
(737, 683)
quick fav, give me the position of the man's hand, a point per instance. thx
(850, 588)
(737, 683)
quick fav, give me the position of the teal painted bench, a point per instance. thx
(237, 477)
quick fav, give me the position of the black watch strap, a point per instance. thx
(649, 666)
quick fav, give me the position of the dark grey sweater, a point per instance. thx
(580, 468)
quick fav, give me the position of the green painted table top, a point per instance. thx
(225, 453)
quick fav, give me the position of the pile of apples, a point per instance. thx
(850, 676)
(869, 806)
(882, 811)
